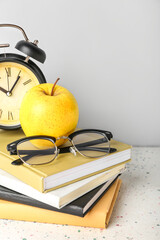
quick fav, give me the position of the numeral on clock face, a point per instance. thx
(1, 113)
(28, 81)
(8, 70)
(10, 116)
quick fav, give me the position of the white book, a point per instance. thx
(60, 197)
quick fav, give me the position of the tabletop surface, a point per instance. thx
(136, 214)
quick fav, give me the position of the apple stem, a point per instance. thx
(54, 86)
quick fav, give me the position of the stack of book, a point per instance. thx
(71, 190)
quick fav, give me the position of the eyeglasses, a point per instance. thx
(38, 150)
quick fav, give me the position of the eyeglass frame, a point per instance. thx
(12, 147)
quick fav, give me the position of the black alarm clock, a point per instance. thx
(18, 74)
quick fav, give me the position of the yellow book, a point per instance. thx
(64, 170)
(97, 217)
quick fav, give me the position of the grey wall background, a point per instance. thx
(107, 53)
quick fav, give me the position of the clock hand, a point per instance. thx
(18, 77)
(3, 90)
(7, 79)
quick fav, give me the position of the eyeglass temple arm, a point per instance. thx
(109, 150)
(87, 144)
(62, 150)
(93, 142)
(12, 146)
(31, 153)
(82, 147)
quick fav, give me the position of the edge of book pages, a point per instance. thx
(78, 207)
(81, 171)
(97, 217)
(60, 197)
(95, 182)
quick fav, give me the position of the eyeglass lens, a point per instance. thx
(37, 151)
(92, 144)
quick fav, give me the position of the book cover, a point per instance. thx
(64, 170)
(97, 217)
(78, 207)
(60, 197)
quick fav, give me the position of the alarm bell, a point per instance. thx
(29, 48)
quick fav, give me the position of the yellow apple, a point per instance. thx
(49, 109)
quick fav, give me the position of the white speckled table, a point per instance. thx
(136, 215)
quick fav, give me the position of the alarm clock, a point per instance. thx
(18, 74)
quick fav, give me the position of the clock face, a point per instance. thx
(15, 80)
